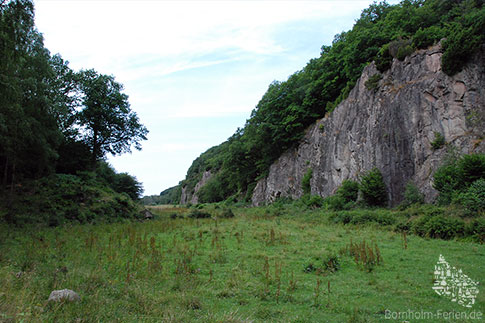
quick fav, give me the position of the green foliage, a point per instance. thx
(109, 123)
(372, 84)
(306, 180)
(473, 198)
(465, 36)
(349, 190)
(383, 59)
(404, 51)
(331, 262)
(55, 124)
(199, 214)
(359, 217)
(313, 201)
(58, 199)
(438, 142)
(476, 229)
(443, 227)
(412, 195)
(457, 174)
(426, 37)
(373, 188)
(169, 196)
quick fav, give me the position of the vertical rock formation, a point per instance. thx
(390, 127)
(190, 195)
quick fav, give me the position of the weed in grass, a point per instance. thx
(364, 255)
(316, 293)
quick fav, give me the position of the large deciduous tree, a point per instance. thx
(107, 124)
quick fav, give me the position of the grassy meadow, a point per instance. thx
(262, 265)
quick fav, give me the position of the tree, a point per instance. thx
(108, 125)
(373, 188)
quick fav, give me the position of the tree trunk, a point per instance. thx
(95, 149)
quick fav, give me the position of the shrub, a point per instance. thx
(372, 84)
(384, 59)
(456, 175)
(476, 229)
(305, 182)
(342, 217)
(444, 227)
(471, 168)
(335, 203)
(438, 142)
(412, 195)
(365, 216)
(426, 37)
(473, 199)
(198, 214)
(404, 51)
(373, 188)
(314, 201)
(349, 190)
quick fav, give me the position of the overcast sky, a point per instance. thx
(193, 70)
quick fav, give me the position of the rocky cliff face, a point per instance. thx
(390, 128)
(190, 196)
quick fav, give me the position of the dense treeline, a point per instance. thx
(54, 121)
(382, 33)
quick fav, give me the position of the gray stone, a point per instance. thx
(146, 214)
(63, 295)
(190, 195)
(391, 129)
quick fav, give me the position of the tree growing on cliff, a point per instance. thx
(108, 125)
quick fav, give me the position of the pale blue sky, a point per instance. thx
(193, 70)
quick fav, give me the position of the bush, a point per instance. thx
(335, 203)
(383, 218)
(373, 188)
(384, 59)
(412, 195)
(444, 227)
(438, 142)
(372, 84)
(404, 51)
(198, 214)
(457, 174)
(471, 168)
(314, 201)
(473, 199)
(476, 229)
(426, 37)
(305, 182)
(349, 191)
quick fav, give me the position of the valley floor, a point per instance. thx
(258, 266)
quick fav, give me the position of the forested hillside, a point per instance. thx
(56, 127)
(382, 33)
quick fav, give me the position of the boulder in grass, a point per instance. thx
(146, 214)
(63, 295)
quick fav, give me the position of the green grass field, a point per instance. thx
(254, 267)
